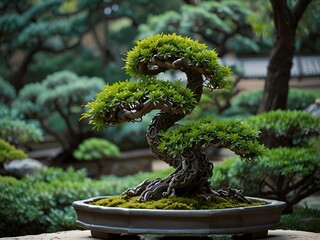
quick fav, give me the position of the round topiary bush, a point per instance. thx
(96, 149)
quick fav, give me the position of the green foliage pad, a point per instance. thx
(233, 134)
(132, 95)
(172, 47)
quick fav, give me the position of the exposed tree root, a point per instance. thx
(191, 178)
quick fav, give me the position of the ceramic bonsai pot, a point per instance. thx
(106, 222)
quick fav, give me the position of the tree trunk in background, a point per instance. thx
(17, 79)
(278, 75)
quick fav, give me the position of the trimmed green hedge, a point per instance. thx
(43, 202)
(303, 219)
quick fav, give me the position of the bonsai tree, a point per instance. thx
(180, 146)
(96, 149)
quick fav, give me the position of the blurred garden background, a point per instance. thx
(57, 55)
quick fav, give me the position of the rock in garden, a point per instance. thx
(19, 168)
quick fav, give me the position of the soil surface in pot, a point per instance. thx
(174, 203)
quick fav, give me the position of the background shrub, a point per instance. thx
(9, 152)
(303, 219)
(286, 174)
(7, 93)
(17, 131)
(42, 202)
(98, 150)
(288, 128)
(297, 100)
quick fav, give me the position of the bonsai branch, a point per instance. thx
(131, 113)
(181, 63)
(159, 65)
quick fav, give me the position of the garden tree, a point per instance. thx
(98, 150)
(181, 147)
(28, 28)
(222, 25)
(56, 102)
(286, 18)
(53, 26)
(307, 34)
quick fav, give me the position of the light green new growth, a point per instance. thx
(173, 47)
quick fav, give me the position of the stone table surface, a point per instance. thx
(79, 234)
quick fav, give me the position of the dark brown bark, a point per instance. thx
(278, 74)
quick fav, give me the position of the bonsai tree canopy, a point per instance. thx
(179, 146)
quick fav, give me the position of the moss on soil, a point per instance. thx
(173, 203)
